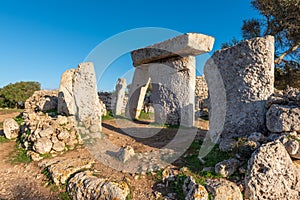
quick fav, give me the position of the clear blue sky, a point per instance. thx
(39, 40)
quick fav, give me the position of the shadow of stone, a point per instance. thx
(29, 193)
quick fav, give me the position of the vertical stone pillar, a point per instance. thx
(137, 92)
(240, 80)
(173, 84)
(66, 103)
(171, 67)
(88, 108)
(120, 94)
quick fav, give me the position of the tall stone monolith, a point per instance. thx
(240, 79)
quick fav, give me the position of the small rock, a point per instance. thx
(43, 145)
(59, 146)
(222, 189)
(256, 137)
(227, 167)
(292, 146)
(125, 153)
(63, 135)
(10, 128)
(47, 132)
(227, 144)
(62, 120)
(194, 191)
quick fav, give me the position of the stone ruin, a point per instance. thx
(255, 123)
(240, 79)
(54, 121)
(170, 67)
(119, 96)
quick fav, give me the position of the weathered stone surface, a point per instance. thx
(256, 137)
(292, 147)
(43, 100)
(120, 94)
(272, 174)
(125, 153)
(66, 102)
(194, 191)
(88, 108)
(240, 79)
(137, 91)
(43, 145)
(61, 169)
(227, 167)
(222, 189)
(173, 86)
(10, 128)
(86, 186)
(189, 44)
(282, 118)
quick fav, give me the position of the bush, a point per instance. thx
(15, 95)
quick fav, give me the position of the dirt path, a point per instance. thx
(25, 181)
(20, 181)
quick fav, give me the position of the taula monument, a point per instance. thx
(171, 68)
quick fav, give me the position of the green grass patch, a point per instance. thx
(146, 116)
(108, 116)
(195, 167)
(1, 125)
(64, 196)
(19, 155)
(19, 119)
(3, 139)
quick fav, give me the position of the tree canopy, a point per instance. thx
(17, 93)
(280, 18)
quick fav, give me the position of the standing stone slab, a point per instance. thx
(240, 80)
(66, 103)
(173, 85)
(137, 92)
(171, 68)
(272, 174)
(120, 94)
(88, 108)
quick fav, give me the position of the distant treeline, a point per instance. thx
(15, 95)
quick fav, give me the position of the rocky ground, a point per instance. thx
(30, 180)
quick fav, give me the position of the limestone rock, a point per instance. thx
(227, 144)
(173, 82)
(66, 102)
(256, 137)
(240, 79)
(120, 94)
(125, 153)
(61, 169)
(43, 145)
(292, 147)
(272, 174)
(282, 118)
(58, 146)
(86, 96)
(227, 167)
(194, 191)
(43, 100)
(187, 44)
(222, 189)
(10, 128)
(47, 133)
(86, 186)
